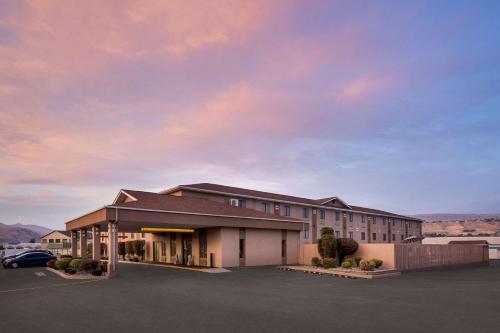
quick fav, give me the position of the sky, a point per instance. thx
(392, 105)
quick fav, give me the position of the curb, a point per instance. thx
(76, 276)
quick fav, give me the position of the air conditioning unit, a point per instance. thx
(234, 202)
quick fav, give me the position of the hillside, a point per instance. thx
(13, 234)
(457, 217)
(35, 228)
(452, 228)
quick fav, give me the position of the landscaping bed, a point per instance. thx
(77, 268)
(353, 273)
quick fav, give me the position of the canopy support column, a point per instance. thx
(74, 244)
(83, 243)
(96, 242)
(112, 249)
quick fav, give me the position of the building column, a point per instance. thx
(369, 228)
(314, 231)
(112, 249)
(96, 242)
(74, 244)
(389, 231)
(83, 243)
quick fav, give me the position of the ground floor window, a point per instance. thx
(163, 247)
(363, 236)
(402, 237)
(374, 236)
(173, 248)
(384, 236)
(242, 248)
(283, 248)
(351, 235)
(203, 243)
(306, 234)
(393, 237)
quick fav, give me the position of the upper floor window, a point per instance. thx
(363, 236)
(306, 234)
(384, 220)
(362, 219)
(266, 208)
(351, 217)
(51, 241)
(287, 210)
(369, 219)
(305, 212)
(337, 234)
(337, 216)
(242, 203)
(374, 220)
(322, 214)
(393, 222)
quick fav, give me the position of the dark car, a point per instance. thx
(29, 259)
(24, 252)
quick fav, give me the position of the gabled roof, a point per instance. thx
(190, 205)
(64, 232)
(325, 201)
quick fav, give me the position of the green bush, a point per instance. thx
(376, 262)
(129, 248)
(75, 264)
(63, 263)
(51, 263)
(365, 265)
(96, 272)
(347, 264)
(329, 263)
(357, 259)
(316, 262)
(63, 256)
(87, 265)
(327, 243)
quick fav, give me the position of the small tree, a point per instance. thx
(129, 248)
(345, 247)
(138, 246)
(121, 249)
(327, 244)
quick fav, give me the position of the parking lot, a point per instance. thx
(264, 299)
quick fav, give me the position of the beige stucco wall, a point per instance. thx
(263, 247)
(383, 252)
(292, 247)
(214, 245)
(230, 247)
(307, 252)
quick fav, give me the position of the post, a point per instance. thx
(74, 244)
(96, 242)
(112, 249)
(83, 243)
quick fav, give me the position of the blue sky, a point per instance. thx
(387, 104)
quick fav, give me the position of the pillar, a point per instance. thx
(96, 242)
(74, 244)
(112, 249)
(83, 243)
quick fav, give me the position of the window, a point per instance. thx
(306, 234)
(322, 214)
(374, 236)
(351, 217)
(369, 219)
(58, 240)
(203, 243)
(363, 236)
(44, 241)
(393, 222)
(337, 216)
(287, 210)
(305, 212)
(402, 237)
(337, 234)
(384, 220)
(384, 236)
(283, 248)
(242, 203)
(242, 248)
(65, 240)
(163, 247)
(51, 241)
(374, 220)
(173, 247)
(351, 236)
(393, 237)
(363, 219)
(265, 207)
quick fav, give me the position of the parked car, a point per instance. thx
(24, 252)
(29, 259)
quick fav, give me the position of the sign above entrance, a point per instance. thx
(166, 230)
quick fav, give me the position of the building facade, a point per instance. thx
(57, 241)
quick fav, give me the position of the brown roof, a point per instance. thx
(479, 242)
(281, 197)
(155, 201)
(64, 232)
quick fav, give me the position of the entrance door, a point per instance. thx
(156, 251)
(186, 248)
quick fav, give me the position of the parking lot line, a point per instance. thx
(48, 286)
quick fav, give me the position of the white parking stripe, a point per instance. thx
(51, 285)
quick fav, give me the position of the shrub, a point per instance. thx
(345, 247)
(103, 266)
(346, 264)
(62, 264)
(66, 256)
(365, 265)
(87, 265)
(316, 262)
(96, 272)
(376, 263)
(70, 270)
(121, 249)
(357, 259)
(52, 263)
(327, 243)
(75, 264)
(138, 246)
(329, 263)
(129, 248)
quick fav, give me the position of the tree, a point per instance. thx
(121, 249)
(346, 247)
(326, 243)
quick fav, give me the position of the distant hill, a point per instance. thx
(18, 233)
(36, 228)
(461, 228)
(458, 217)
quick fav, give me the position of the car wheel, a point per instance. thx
(14, 265)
